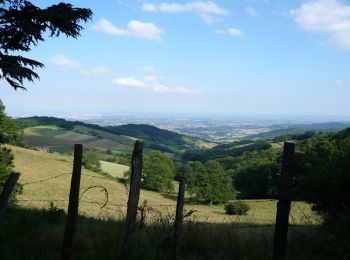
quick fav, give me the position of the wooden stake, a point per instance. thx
(133, 201)
(179, 218)
(6, 192)
(73, 203)
(283, 205)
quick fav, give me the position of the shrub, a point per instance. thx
(54, 214)
(237, 208)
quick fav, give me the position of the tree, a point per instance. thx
(9, 132)
(22, 25)
(158, 172)
(90, 161)
(209, 182)
(325, 176)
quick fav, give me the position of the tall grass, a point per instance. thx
(35, 234)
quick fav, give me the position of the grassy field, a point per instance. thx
(33, 230)
(36, 234)
(114, 169)
(35, 166)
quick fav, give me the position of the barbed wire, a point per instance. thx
(93, 187)
(43, 180)
(99, 177)
(90, 202)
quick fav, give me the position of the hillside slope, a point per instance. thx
(56, 132)
(35, 166)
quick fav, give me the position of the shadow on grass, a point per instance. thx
(35, 234)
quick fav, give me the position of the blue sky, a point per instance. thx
(237, 57)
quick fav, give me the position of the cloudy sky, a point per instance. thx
(218, 57)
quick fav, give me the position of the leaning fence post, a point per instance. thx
(179, 216)
(73, 205)
(6, 192)
(133, 201)
(284, 202)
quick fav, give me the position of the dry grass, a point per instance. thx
(35, 166)
(114, 169)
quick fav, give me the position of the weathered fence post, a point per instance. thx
(6, 192)
(179, 216)
(73, 205)
(133, 201)
(284, 202)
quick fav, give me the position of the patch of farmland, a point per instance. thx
(35, 141)
(106, 144)
(44, 132)
(125, 140)
(69, 135)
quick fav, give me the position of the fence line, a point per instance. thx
(44, 180)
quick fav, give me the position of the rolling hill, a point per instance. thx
(46, 178)
(59, 135)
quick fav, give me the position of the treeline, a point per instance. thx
(226, 150)
(322, 172)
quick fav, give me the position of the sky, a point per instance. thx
(234, 57)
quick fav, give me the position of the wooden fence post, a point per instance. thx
(133, 201)
(6, 192)
(284, 202)
(73, 205)
(179, 217)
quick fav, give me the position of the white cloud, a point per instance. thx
(98, 71)
(206, 9)
(151, 78)
(208, 18)
(151, 84)
(145, 30)
(148, 68)
(165, 89)
(174, 8)
(160, 88)
(64, 62)
(182, 90)
(106, 26)
(129, 82)
(230, 31)
(135, 29)
(326, 16)
(149, 7)
(251, 11)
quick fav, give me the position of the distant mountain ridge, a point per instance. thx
(300, 129)
(155, 138)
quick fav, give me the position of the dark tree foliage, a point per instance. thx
(256, 174)
(9, 133)
(222, 151)
(23, 24)
(158, 172)
(207, 182)
(325, 174)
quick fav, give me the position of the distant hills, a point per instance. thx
(296, 129)
(59, 135)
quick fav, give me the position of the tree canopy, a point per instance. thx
(22, 25)
(208, 182)
(158, 172)
(9, 132)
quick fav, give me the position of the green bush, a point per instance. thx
(237, 208)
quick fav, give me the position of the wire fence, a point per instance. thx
(152, 210)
